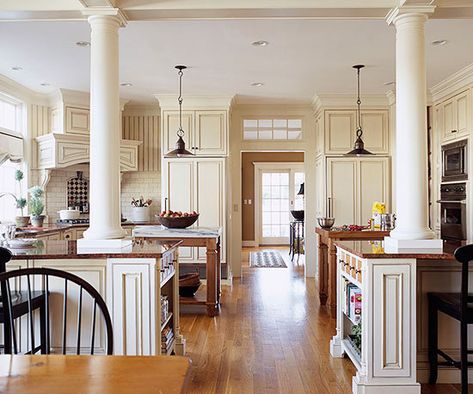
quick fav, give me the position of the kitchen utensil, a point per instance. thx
(177, 222)
(69, 214)
(298, 215)
(326, 223)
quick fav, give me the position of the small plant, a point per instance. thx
(36, 203)
(141, 202)
(19, 201)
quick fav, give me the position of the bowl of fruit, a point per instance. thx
(177, 219)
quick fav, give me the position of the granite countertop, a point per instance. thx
(334, 233)
(375, 250)
(52, 228)
(164, 232)
(49, 249)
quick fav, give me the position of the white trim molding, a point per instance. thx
(452, 83)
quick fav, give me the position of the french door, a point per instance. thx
(276, 186)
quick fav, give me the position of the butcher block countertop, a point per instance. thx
(375, 250)
(49, 249)
(365, 234)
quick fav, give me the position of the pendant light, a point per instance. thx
(359, 148)
(180, 150)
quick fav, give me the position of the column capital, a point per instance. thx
(400, 12)
(112, 13)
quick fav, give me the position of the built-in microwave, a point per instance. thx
(454, 161)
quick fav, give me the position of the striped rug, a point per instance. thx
(267, 259)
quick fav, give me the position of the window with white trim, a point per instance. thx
(10, 113)
(272, 129)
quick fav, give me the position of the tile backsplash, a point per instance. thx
(134, 184)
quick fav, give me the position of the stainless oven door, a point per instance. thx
(453, 220)
(454, 162)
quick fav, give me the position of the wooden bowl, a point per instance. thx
(189, 284)
(177, 222)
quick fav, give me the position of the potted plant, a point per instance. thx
(36, 205)
(140, 210)
(21, 221)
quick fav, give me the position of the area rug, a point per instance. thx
(267, 259)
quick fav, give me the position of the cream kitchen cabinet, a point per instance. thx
(206, 132)
(62, 150)
(340, 131)
(77, 121)
(319, 135)
(196, 184)
(454, 115)
(354, 184)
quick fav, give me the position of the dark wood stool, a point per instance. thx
(460, 307)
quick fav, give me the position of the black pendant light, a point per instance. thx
(359, 148)
(180, 150)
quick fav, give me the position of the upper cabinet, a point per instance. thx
(453, 116)
(340, 131)
(70, 113)
(206, 131)
(77, 120)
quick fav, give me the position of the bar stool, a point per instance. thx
(460, 307)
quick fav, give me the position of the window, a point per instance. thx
(10, 111)
(8, 184)
(272, 129)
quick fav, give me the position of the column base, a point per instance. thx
(393, 245)
(96, 245)
(359, 388)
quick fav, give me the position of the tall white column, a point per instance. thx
(105, 130)
(411, 129)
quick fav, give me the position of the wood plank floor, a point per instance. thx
(272, 336)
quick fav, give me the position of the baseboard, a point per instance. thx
(249, 244)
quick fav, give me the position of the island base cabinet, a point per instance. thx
(134, 291)
(386, 359)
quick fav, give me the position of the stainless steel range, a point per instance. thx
(453, 212)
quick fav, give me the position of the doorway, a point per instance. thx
(277, 187)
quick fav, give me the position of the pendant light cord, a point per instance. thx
(180, 132)
(359, 131)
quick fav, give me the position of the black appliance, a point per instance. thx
(454, 161)
(453, 212)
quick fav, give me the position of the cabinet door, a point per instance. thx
(170, 127)
(178, 181)
(319, 136)
(448, 119)
(461, 112)
(342, 188)
(339, 131)
(375, 131)
(210, 196)
(320, 187)
(210, 133)
(77, 120)
(374, 179)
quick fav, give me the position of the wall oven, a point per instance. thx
(453, 212)
(454, 161)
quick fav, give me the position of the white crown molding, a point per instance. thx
(106, 10)
(450, 85)
(421, 9)
(348, 101)
(169, 101)
(16, 90)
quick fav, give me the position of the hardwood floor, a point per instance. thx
(272, 336)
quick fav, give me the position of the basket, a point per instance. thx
(177, 222)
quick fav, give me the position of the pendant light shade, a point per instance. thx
(180, 150)
(359, 148)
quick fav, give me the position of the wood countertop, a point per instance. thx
(375, 250)
(368, 234)
(49, 249)
(44, 374)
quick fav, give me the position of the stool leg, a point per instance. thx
(464, 357)
(433, 341)
(42, 328)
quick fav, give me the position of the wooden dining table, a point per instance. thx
(47, 374)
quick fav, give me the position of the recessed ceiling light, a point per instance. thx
(389, 83)
(438, 43)
(257, 84)
(45, 84)
(16, 68)
(83, 43)
(260, 43)
(126, 84)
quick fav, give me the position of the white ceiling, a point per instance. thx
(304, 56)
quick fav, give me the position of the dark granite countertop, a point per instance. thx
(49, 249)
(375, 250)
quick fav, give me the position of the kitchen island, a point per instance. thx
(393, 355)
(204, 237)
(131, 281)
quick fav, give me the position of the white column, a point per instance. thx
(411, 130)
(105, 133)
